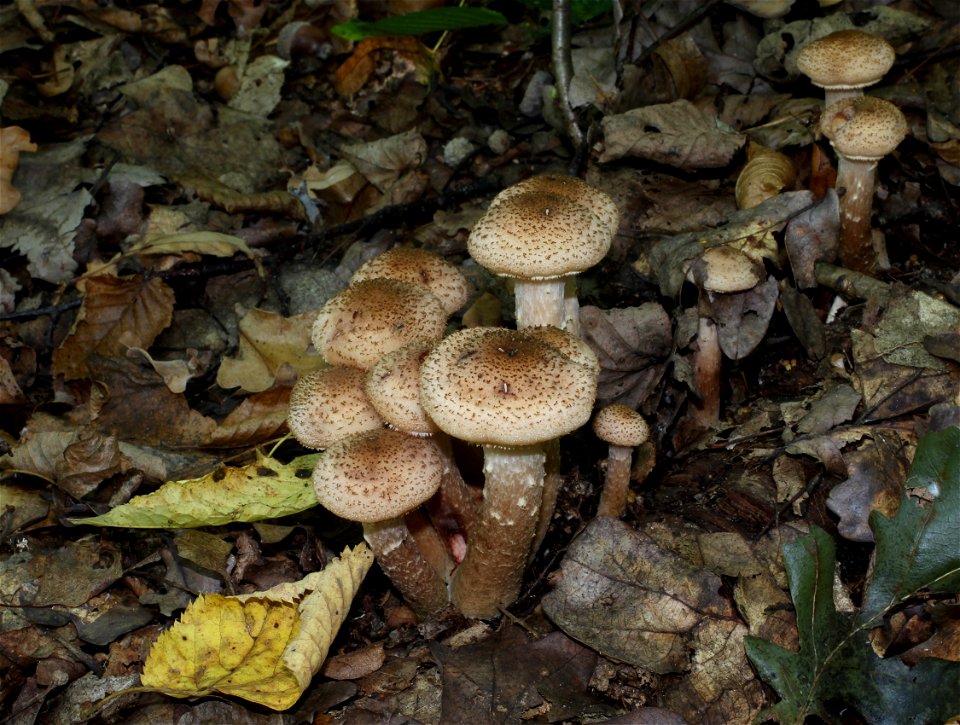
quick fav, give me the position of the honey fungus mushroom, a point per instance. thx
(418, 266)
(328, 405)
(375, 478)
(509, 392)
(623, 429)
(862, 131)
(845, 62)
(541, 233)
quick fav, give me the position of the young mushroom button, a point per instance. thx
(328, 405)
(623, 429)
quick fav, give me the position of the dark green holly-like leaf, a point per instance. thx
(916, 550)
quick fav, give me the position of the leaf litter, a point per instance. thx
(155, 311)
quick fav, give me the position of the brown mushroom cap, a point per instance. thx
(725, 269)
(573, 188)
(378, 475)
(373, 317)
(393, 386)
(620, 425)
(328, 405)
(543, 233)
(419, 266)
(573, 347)
(501, 387)
(863, 129)
(846, 59)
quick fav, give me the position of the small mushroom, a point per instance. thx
(509, 392)
(845, 62)
(623, 429)
(542, 232)
(328, 405)
(375, 478)
(373, 317)
(418, 266)
(862, 131)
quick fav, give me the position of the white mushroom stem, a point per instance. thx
(706, 373)
(402, 561)
(857, 178)
(552, 480)
(539, 302)
(832, 95)
(492, 571)
(571, 306)
(616, 482)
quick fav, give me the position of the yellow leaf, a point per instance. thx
(264, 647)
(262, 490)
(202, 242)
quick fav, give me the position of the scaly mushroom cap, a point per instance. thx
(502, 387)
(846, 59)
(619, 425)
(863, 129)
(725, 269)
(573, 188)
(328, 405)
(378, 475)
(573, 347)
(419, 266)
(544, 233)
(373, 317)
(393, 386)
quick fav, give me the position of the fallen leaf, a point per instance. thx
(626, 597)
(258, 418)
(264, 489)
(270, 346)
(905, 322)
(678, 134)
(743, 317)
(263, 647)
(836, 405)
(813, 236)
(115, 314)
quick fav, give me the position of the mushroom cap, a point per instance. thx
(863, 129)
(373, 317)
(377, 475)
(846, 59)
(725, 269)
(418, 266)
(500, 387)
(575, 348)
(329, 404)
(393, 386)
(620, 425)
(545, 229)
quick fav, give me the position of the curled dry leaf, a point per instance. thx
(813, 236)
(264, 647)
(743, 317)
(765, 175)
(354, 73)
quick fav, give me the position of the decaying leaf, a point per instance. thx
(905, 322)
(116, 314)
(355, 71)
(766, 174)
(743, 317)
(263, 647)
(812, 236)
(678, 134)
(261, 490)
(271, 346)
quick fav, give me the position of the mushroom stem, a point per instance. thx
(706, 373)
(552, 480)
(402, 561)
(430, 542)
(492, 571)
(857, 178)
(616, 482)
(539, 302)
(832, 95)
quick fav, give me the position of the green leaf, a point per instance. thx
(264, 489)
(420, 23)
(916, 550)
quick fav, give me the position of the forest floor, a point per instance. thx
(198, 178)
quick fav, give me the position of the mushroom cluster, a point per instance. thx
(397, 393)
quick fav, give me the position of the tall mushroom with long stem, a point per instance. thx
(623, 429)
(508, 391)
(862, 131)
(541, 233)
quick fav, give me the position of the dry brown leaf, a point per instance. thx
(355, 71)
(271, 347)
(116, 314)
(13, 140)
(766, 174)
(258, 418)
(231, 201)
